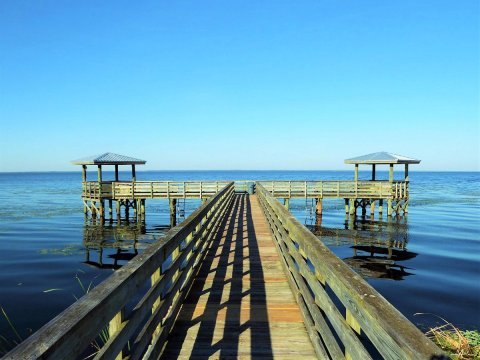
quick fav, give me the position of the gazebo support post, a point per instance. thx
(406, 195)
(134, 202)
(390, 201)
(84, 181)
(101, 202)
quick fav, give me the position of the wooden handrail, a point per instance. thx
(172, 262)
(364, 315)
(335, 189)
(202, 189)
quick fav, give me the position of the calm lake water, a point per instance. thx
(49, 251)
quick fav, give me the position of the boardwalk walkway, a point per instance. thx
(240, 304)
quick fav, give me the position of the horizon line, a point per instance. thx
(219, 170)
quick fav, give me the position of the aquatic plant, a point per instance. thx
(6, 344)
(458, 344)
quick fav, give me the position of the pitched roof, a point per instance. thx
(382, 158)
(108, 159)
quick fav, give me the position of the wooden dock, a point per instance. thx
(240, 304)
(131, 195)
(239, 278)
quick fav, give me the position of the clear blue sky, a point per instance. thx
(239, 84)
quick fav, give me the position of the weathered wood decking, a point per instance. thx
(240, 304)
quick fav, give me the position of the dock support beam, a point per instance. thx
(117, 209)
(352, 207)
(389, 207)
(142, 209)
(346, 206)
(286, 202)
(173, 212)
(110, 209)
(319, 207)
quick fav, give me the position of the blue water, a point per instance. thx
(49, 252)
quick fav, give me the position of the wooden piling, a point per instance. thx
(286, 202)
(142, 209)
(389, 207)
(110, 209)
(353, 209)
(173, 212)
(319, 206)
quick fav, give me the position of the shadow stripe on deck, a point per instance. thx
(240, 304)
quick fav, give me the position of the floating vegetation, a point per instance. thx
(66, 251)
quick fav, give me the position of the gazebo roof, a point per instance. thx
(382, 158)
(109, 159)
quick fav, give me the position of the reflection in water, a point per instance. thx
(111, 246)
(379, 248)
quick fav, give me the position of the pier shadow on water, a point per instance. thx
(378, 247)
(109, 246)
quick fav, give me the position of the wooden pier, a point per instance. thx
(239, 278)
(216, 287)
(101, 196)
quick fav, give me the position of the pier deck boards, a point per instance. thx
(240, 304)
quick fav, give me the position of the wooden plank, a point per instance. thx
(240, 297)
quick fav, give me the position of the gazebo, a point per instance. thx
(101, 190)
(397, 191)
(108, 159)
(382, 158)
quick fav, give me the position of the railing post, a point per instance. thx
(353, 323)
(114, 327)
(154, 279)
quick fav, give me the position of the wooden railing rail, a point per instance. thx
(170, 264)
(337, 189)
(356, 312)
(121, 190)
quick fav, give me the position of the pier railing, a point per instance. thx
(151, 189)
(343, 314)
(160, 277)
(337, 189)
(203, 189)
